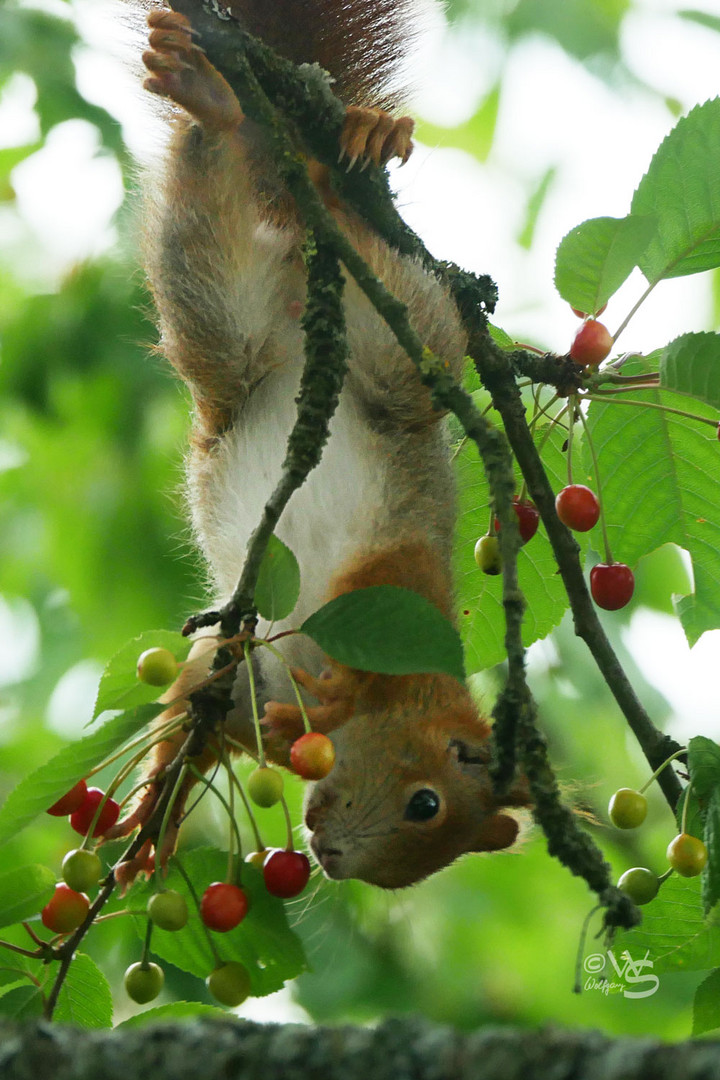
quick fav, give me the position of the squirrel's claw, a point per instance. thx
(374, 135)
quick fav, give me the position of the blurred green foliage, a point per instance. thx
(94, 550)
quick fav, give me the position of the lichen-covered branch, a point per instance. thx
(407, 1049)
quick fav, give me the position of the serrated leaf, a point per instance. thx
(45, 785)
(596, 257)
(278, 584)
(682, 189)
(704, 765)
(706, 1006)
(387, 629)
(85, 999)
(658, 487)
(691, 365)
(23, 892)
(479, 597)
(172, 1013)
(674, 931)
(711, 837)
(120, 687)
(501, 338)
(263, 941)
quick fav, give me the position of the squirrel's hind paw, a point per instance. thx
(374, 135)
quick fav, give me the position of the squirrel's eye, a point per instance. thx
(423, 805)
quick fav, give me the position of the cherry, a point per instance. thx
(627, 808)
(82, 818)
(81, 869)
(65, 911)
(528, 518)
(584, 314)
(687, 855)
(611, 585)
(144, 981)
(487, 555)
(265, 786)
(577, 507)
(286, 873)
(157, 667)
(591, 343)
(70, 801)
(229, 983)
(640, 884)
(223, 906)
(168, 910)
(312, 756)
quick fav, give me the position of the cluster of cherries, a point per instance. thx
(223, 905)
(611, 583)
(686, 854)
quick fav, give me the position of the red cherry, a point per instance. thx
(611, 585)
(312, 756)
(65, 911)
(591, 344)
(286, 873)
(528, 518)
(584, 314)
(577, 507)
(223, 906)
(70, 801)
(81, 819)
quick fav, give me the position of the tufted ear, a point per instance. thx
(496, 832)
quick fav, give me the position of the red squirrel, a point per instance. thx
(410, 790)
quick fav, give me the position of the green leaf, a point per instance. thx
(23, 892)
(595, 258)
(535, 204)
(704, 18)
(706, 1006)
(479, 597)
(711, 837)
(389, 630)
(25, 1003)
(85, 999)
(501, 338)
(657, 474)
(674, 931)
(120, 687)
(172, 1013)
(682, 189)
(704, 765)
(263, 941)
(475, 136)
(278, 584)
(45, 785)
(691, 365)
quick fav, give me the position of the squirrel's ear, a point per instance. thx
(496, 832)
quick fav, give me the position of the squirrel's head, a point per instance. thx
(407, 795)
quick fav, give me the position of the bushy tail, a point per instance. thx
(362, 43)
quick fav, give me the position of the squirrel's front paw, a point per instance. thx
(374, 135)
(179, 70)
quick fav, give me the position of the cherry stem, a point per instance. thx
(598, 485)
(288, 822)
(665, 876)
(231, 804)
(29, 930)
(211, 787)
(191, 889)
(293, 680)
(34, 954)
(168, 811)
(577, 988)
(241, 791)
(600, 395)
(626, 380)
(573, 408)
(633, 311)
(677, 754)
(146, 943)
(542, 411)
(253, 698)
(683, 823)
(160, 734)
